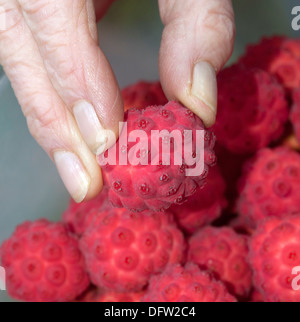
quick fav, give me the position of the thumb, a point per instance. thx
(197, 41)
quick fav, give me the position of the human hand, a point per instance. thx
(66, 87)
(197, 41)
(64, 84)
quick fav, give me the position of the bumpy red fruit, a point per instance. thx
(204, 206)
(123, 249)
(256, 297)
(224, 253)
(78, 216)
(295, 114)
(143, 94)
(43, 263)
(151, 178)
(251, 103)
(231, 165)
(269, 186)
(278, 56)
(186, 284)
(97, 295)
(274, 253)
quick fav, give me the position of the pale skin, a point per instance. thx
(67, 89)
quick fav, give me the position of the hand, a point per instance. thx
(68, 92)
(196, 43)
(64, 84)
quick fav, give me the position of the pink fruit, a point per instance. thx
(78, 216)
(186, 284)
(123, 249)
(251, 103)
(204, 206)
(224, 253)
(274, 255)
(149, 180)
(269, 186)
(143, 94)
(278, 56)
(97, 295)
(43, 263)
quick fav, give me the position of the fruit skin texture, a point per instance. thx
(204, 206)
(186, 284)
(295, 114)
(97, 295)
(143, 94)
(256, 297)
(251, 103)
(157, 186)
(269, 186)
(230, 165)
(43, 263)
(278, 56)
(123, 249)
(77, 217)
(274, 252)
(224, 253)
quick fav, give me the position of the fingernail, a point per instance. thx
(73, 174)
(204, 84)
(90, 127)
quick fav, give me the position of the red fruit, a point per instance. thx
(270, 186)
(97, 295)
(295, 115)
(143, 94)
(224, 253)
(278, 56)
(251, 103)
(274, 253)
(123, 249)
(186, 284)
(155, 182)
(231, 165)
(256, 297)
(78, 216)
(43, 263)
(204, 206)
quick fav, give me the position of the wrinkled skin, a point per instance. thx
(50, 53)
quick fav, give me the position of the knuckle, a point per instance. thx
(44, 123)
(10, 19)
(40, 8)
(68, 75)
(167, 9)
(221, 22)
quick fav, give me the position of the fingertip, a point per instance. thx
(73, 174)
(205, 112)
(95, 188)
(197, 41)
(197, 92)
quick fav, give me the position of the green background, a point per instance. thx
(130, 36)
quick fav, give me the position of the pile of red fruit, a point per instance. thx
(162, 230)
